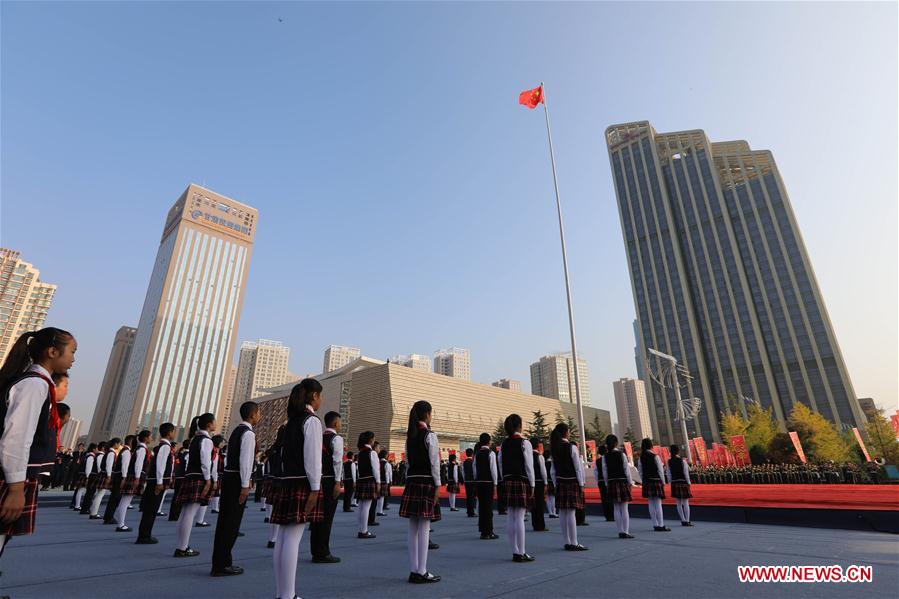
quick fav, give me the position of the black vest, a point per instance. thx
(451, 472)
(467, 469)
(232, 460)
(43, 444)
(328, 454)
(113, 458)
(563, 461)
(650, 468)
(615, 464)
(676, 465)
(182, 463)
(513, 459)
(100, 463)
(167, 469)
(92, 454)
(194, 463)
(117, 465)
(139, 470)
(483, 463)
(365, 464)
(292, 465)
(348, 471)
(538, 474)
(417, 455)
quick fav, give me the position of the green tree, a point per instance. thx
(499, 433)
(595, 431)
(760, 432)
(574, 431)
(629, 435)
(538, 428)
(882, 441)
(733, 425)
(781, 451)
(820, 440)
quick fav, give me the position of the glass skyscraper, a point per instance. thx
(186, 335)
(722, 280)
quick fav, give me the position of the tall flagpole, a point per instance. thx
(577, 376)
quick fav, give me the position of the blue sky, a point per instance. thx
(405, 198)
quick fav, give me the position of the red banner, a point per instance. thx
(797, 445)
(666, 455)
(738, 444)
(629, 451)
(699, 444)
(858, 437)
(692, 450)
(716, 454)
(391, 456)
(894, 420)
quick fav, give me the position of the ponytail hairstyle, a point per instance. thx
(511, 424)
(199, 423)
(418, 413)
(675, 451)
(365, 438)
(130, 442)
(92, 447)
(28, 349)
(611, 442)
(143, 436)
(555, 441)
(301, 396)
(646, 445)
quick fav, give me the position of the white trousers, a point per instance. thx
(622, 518)
(683, 509)
(569, 526)
(287, 548)
(515, 529)
(186, 523)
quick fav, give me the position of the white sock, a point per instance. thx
(569, 526)
(563, 522)
(95, 504)
(274, 536)
(362, 514)
(424, 539)
(185, 524)
(680, 509)
(201, 514)
(412, 542)
(287, 548)
(659, 515)
(162, 501)
(122, 510)
(380, 508)
(622, 518)
(79, 496)
(268, 511)
(551, 504)
(214, 504)
(687, 508)
(452, 501)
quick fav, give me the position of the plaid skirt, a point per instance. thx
(132, 486)
(384, 491)
(191, 491)
(619, 491)
(418, 499)
(550, 488)
(289, 498)
(94, 482)
(515, 493)
(110, 481)
(452, 488)
(217, 486)
(24, 524)
(366, 489)
(680, 489)
(80, 480)
(266, 489)
(654, 488)
(569, 495)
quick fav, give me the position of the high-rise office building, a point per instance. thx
(722, 279)
(338, 356)
(553, 376)
(262, 365)
(68, 436)
(510, 384)
(186, 335)
(113, 381)
(24, 299)
(454, 362)
(639, 353)
(416, 361)
(228, 399)
(633, 411)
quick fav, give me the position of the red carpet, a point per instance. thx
(832, 497)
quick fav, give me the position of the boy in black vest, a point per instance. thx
(485, 475)
(159, 476)
(471, 487)
(332, 473)
(349, 481)
(235, 489)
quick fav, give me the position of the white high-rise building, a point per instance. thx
(186, 335)
(553, 376)
(454, 362)
(113, 380)
(263, 364)
(69, 434)
(338, 356)
(510, 384)
(228, 400)
(633, 411)
(415, 361)
(24, 299)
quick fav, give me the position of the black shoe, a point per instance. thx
(123, 529)
(110, 522)
(661, 529)
(201, 524)
(413, 576)
(425, 578)
(364, 535)
(584, 523)
(271, 545)
(148, 541)
(227, 571)
(489, 537)
(452, 509)
(380, 514)
(95, 517)
(624, 535)
(471, 515)
(161, 514)
(328, 559)
(348, 511)
(374, 524)
(522, 557)
(241, 534)
(553, 516)
(262, 509)
(265, 521)
(432, 545)
(186, 552)
(577, 547)
(541, 530)
(130, 507)
(686, 524)
(214, 511)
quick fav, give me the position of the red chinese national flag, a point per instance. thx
(531, 97)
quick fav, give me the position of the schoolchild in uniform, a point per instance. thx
(616, 473)
(386, 474)
(332, 473)
(200, 521)
(181, 458)
(298, 499)
(197, 485)
(453, 478)
(550, 490)
(540, 478)
(373, 509)
(84, 475)
(119, 469)
(30, 423)
(568, 478)
(159, 477)
(601, 485)
(421, 494)
(105, 482)
(135, 472)
(95, 478)
(500, 490)
(274, 474)
(485, 474)
(679, 475)
(367, 483)
(218, 441)
(652, 473)
(471, 487)
(349, 481)
(516, 469)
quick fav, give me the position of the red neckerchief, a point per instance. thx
(54, 412)
(516, 435)
(422, 425)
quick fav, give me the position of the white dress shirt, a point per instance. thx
(336, 454)
(215, 467)
(492, 459)
(353, 471)
(375, 466)
(89, 464)
(527, 452)
(312, 450)
(433, 456)
(110, 461)
(542, 463)
(388, 472)
(659, 467)
(247, 455)
(205, 456)
(627, 470)
(23, 410)
(126, 461)
(140, 457)
(165, 450)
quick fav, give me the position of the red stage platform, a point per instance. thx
(832, 497)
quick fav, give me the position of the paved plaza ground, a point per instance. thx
(70, 556)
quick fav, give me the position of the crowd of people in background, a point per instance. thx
(779, 474)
